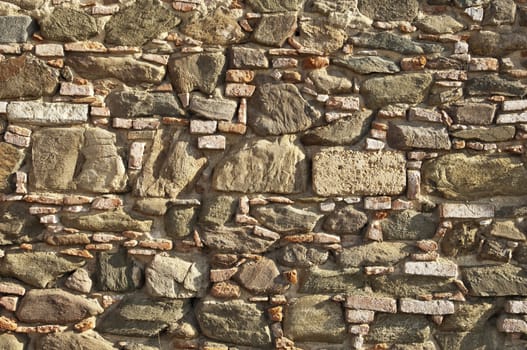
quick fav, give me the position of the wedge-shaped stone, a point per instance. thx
(389, 10)
(331, 279)
(196, 72)
(345, 220)
(442, 24)
(487, 134)
(341, 172)
(406, 88)
(260, 276)
(367, 65)
(319, 34)
(487, 85)
(274, 29)
(488, 43)
(397, 43)
(409, 225)
(286, 218)
(377, 253)
(235, 240)
(117, 272)
(218, 28)
(114, 221)
(140, 103)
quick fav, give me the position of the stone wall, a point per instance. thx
(263, 174)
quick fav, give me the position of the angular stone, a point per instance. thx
(332, 80)
(27, 76)
(285, 218)
(468, 316)
(275, 5)
(329, 280)
(213, 108)
(475, 113)
(315, 318)
(466, 211)
(367, 65)
(439, 268)
(73, 341)
(149, 19)
(196, 72)
(460, 176)
(407, 88)
(341, 172)
(15, 29)
(126, 69)
(113, 221)
(127, 104)
(219, 28)
(66, 24)
(9, 163)
(500, 12)
(276, 165)
(407, 136)
(179, 221)
(409, 225)
(488, 43)
(217, 210)
(460, 240)
(37, 269)
(259, 276)
(169, 176)
(399, 329)
(247, 57)
(377, 253)
(397, 43)
(141, 315)
(499, 280)
(247, 325)
(79, 281)
(26, 4)
(234, 240)
(274, 29)
(177, 277)
(45, 113)
(389, 10)
(345, 220)
(55, 306)
(297, 255)
(442, 24)
(487, 134)
(494, 85)
(115, 272)
(507, 230)
(151, 206)
(292, 115)
(9, 341)
(321, 35)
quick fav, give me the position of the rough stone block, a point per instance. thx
(45, 113)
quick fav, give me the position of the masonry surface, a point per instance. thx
(263, 174)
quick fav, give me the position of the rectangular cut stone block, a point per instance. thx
(15, 29)
(466, 211)
(364, 302)
(516, 306)
(510, 118)
(360, 316)
(514, 105)
(44, 113)
(426, 307)
(343, 172)
(431, 268)
(71, 89)
(49, 50)
(203, 126)
(512, 325)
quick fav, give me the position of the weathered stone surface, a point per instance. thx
(489, 43)
(179, 221)
(460, 176)
(259, 276)
(66, 24)
(397, 43)
(114, 221)
(442, 24)
(46, 113)
(475, 113)
(389, 10)
(406, 136)
(15, 29)
(55, 306)
(126, 69)
(115, 272)
(196, 72)
(486, 336)
(332, 80)
(292, 115)
(381, 253)
(234, 240)
(368, 64)
(141, 315)
(140, 103)
(275, 5)
(285, 218)
(79, 281)
(499, 280)
(213, 108)
(219, 28)
(136, 24)
(26, 76)
(345, 220)
(174, 174)
(275, 165)
(399, 329)
(27, 4)
(336, 172)
(151, 206)
(460, 240)
(9, 163)
(494, 85)
(320, 35)
(414, 286)
(409, 225)
(487, 134)
(500, 12)
(507, 230)
(297, 255)
(74, 341)
(177, 276)
(15, 225)
(274, 29)
(217, 210)
(468, 316)
(315, 318)
(328, 279)
(407, 88)
(37, 269)
(11, 342)
(247, 325)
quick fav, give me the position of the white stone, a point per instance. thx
(476, 13)
(105, 10)
(212, 142)
(514, 105)
(510, 118)
(203, 126)
(431, 268)
(137, 149)
(512, 325)
(364, 302)
(71, 89)
(3, 107)
(360, 316)
(45, 113)
(377, 203)
(516, 306)
(374, 144)
(426, 307)
(466, 211)
(49, 50)
(461, 47)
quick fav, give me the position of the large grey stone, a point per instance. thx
(27, 76)
(475, 113)
(140, 103)
(274, 29)
(409, 225)
(47, 113)
(441, 24)
(320, 34)
(494, 44)
(37, 269)
(495, 85)
(73, 341)
(9, 162)
(285, 218)
(407, 136)
(345, 220)
(389, 10)
(330, 279)
(462, 176)
(114, 221)
(342, 172)
(498, 280)
(260, 276)
(399, 329)
(275, 165)
(376, 253)
(9, 341)
(409, 88)
(213, 108)
(315, 318)
(55, 306)
(487, 134)
(292, 114)
(116, 272)
(196, 72)
(234, 240)
(218, 28)
(136, 24)
(368, 64)
(15, 29)
(397, 43)
(275, 5)
(247, 324)
(67, 24)
(177, 276)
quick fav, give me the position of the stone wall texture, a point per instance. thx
(263, 174)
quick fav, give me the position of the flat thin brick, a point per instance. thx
(465, 211)
(49, 50)
(516, 306)
(431, 268)
(426, 307)
(362, 302)
(514, 105)
(217, 142)
(359, 316)
(71, 89)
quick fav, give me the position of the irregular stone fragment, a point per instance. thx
(196, 72)
(320, 35)
(276, 165)
(177, 277)
(331, 81)
(475, 113)
(66, 24)
(389, 10)
(286, 218)
(79, 281)
(27, 76)
(9, 163)
(367, 65)
(248, 57)
(113, 221)
(407, 88)
(397, 43)
(487, 134)
(115, 272)
(494, 85)
(151, 206)
(213, 108)
(234, 240)
(179, 221)
(15, 224)
(315, 318)
(499, 280)
(468, 316)
(471, 3)
(460, 240)
(247, 325)
(171, 175)
(331, 279)
(46, 113)
(126, 69)
(15, 29)
(9, 341)
(409, 225)
(293, 114)
(407, 136)
(389, 328)
(136, 24)
(74, 341)
(126, 104)
(259, 276)
(341, 172)
(500, 12)
(220, 28)
(275, 5)
(297, 255)
(37, 269)
(442, 24)
(345, 220)
(377, 253)
(487, 43)
(217, 210)
(274, 29)
(460, 176)
(507, 230)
